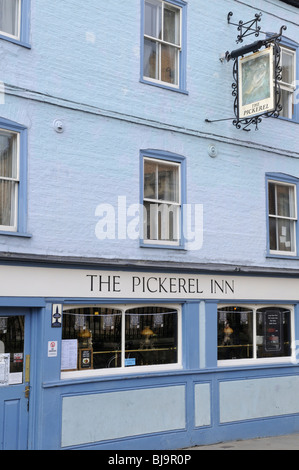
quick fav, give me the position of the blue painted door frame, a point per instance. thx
(14, 405)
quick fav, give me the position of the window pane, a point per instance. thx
(287, 63)
(8, 155)
(282, 233)
(9, 17)
(162, 222)
(273, 233)
(285, 200)
(168, 217)
(285, 235)
(273, 332)
(235, 333)
(150, 183)
(151, 59)
(150, 221)
(151, 336)
(169, 64)
(96, 335)
(168, 182)
(12, 343)
(171, 25)
(286, 101)
(7, 203)
(282, 200)
(271, 195)
(153, 19)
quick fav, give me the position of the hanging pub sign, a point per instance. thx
(256, 90)
(257, 73)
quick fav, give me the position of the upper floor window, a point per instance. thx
(282, 216)
(9, 179)
(13, 164)
(163, 49)
(10, 18)
(289, 62)
(14, 21)
(288, 82)
(162, 199)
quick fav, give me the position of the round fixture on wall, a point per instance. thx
(212, 151)
(58, 125)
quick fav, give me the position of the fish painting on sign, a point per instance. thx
(256, 84)
(255, 80)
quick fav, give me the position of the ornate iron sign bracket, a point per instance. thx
(244, 28)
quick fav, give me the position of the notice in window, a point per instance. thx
(69, 354)
(273, 331)
(4, 369)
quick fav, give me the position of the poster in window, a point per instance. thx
(273, 331)
(4, 369)
(85, 359)
(256, 88)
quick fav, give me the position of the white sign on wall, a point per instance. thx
(21, 281)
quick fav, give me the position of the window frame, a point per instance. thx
(263, 360)
(20, 225)
(287, 180)
(181, 67)
(164, 157)
(123, 307)
(24, 26)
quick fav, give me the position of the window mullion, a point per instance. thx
(160, 61)
(254, 355)
(123, 337)
(162, 19)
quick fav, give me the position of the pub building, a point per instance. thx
(149, 233)
(166, 357)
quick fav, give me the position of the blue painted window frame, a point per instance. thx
(24, 26)
(173, 158)
(22, 186)
(183, 53)
(282, 178)
(295, 46)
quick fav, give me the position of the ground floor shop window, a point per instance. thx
(110, 337)
(254, 332)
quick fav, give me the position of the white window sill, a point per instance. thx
(86, 374)
(256, 362)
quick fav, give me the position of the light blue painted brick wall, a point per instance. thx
(84, 68)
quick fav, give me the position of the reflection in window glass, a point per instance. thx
(98, 338)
